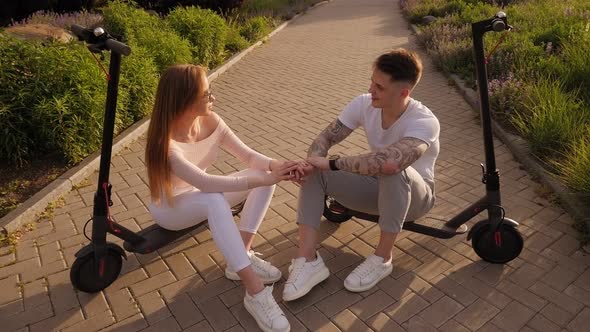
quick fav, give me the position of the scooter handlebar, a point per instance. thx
(118, 47)
(81, 32)
(100, 39)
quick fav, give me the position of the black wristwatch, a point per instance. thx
(332, 163)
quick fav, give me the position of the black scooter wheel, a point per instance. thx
(90, 277)
(335, 212)
(497, 246)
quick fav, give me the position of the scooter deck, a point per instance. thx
(434, 227)
(155, 237)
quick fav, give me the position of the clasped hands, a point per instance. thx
(297, 171)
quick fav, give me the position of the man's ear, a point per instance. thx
(405, 92)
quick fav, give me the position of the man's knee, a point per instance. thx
(394, 181)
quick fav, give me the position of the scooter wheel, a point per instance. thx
(335, 212)
(497, 246)
(90, 277)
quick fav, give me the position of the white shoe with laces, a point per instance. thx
(303, 276)
(368, 274)
(265, 271)
(266, 311)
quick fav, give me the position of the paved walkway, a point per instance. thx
(277, 99)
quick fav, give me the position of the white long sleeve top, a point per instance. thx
(189, 162)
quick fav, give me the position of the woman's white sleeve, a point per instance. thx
(193, 175)
(244, 153)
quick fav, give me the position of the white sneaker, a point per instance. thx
(265, 271)
(266, 311)
(368, 274)
(303, 276)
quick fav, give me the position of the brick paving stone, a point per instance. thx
(416, 324)
(10, 290)
(59, 321)
(556, 314)
(513, 317)
(540, 323)
(581, 322)
(131, 324)
(563, 301)
(441, 311)
(185, 311)
(123, 304)
(347, 321)
(476, 315)
(217, 314)
(405, 308)
(166, 325)
(454, 290)
(315, 320)
(382, 322)
(337, 302)
(522, 295)
(153, 307)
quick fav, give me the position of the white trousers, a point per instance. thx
(194, 207)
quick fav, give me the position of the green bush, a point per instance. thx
(550, 118)
(57, 103)
(149, 31)
(574, 166)
(53, 96)
(204, 29)
(139, 77)
(18, 89)
(235, 42)
(255, 28)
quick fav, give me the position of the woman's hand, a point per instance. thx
(280, 171)
(304, 169)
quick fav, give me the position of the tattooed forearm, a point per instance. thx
(335, 133)
(388, 161)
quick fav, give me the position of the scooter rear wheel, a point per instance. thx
(85, 273)
(334, 211)
(499, 246)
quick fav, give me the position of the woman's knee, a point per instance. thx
(215, 200)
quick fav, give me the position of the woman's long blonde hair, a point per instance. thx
(178, 90)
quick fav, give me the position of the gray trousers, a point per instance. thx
(395, 198)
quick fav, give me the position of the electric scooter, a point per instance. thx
(99, 263)
(495, 239)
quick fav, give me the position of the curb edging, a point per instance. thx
(29, 210)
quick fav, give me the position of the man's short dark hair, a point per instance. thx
(402, 65)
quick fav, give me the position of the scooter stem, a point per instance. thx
(497, 23)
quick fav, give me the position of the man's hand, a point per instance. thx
(319, 163)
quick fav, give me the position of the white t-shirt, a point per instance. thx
(417, 121)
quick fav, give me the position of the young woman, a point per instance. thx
(184, 138)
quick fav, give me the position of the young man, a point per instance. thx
(395, 180)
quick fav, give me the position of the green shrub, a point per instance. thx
(451, 48)
(255, 28)
(148, 31)
(18, 89)
(139, 77)
(57, 103)
(574, 167)
(53, 97)
(550, 118)
(235, 42)
(205, 30)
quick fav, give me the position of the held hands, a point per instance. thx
(296, 171)
(282, 170)
(321, 163)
